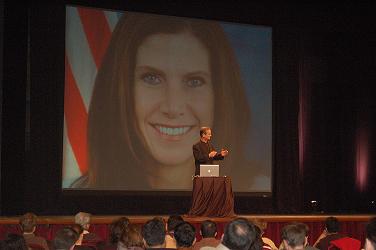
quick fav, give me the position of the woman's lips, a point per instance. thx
(173, 131)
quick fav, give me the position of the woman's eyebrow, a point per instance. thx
(198, 72)
(146, 68)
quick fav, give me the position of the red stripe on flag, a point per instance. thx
(76, 119)
(97, 30)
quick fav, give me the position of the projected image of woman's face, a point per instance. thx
(173, 94)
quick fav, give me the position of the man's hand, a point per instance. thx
(224, 152)
(212, 154)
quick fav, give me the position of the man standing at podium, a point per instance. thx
(204, 152)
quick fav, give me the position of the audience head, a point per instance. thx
(65, 239)
(332, 224)
(173, 221)
(83, 219)
(185, 235)
(28, 222)
(239, 234)
(208, 229)
(294, 236)
(117, 229)
(14, 242)
(132, 238)
(154, 233)
(370, 243)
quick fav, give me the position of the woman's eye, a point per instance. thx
(195, 82)
(151, 79)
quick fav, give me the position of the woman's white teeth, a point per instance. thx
(172, 131)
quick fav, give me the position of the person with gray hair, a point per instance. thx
(293, 237)
(89, 238)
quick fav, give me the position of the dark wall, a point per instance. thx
(328, 49)
(1, 75)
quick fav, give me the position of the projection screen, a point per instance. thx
(139, 86)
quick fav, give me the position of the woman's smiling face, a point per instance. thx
(173, 94)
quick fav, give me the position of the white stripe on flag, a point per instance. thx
(79, 55)
(112, 18)
(71, 170)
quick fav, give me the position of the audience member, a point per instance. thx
(185, 236)
(28, 223)
(330, 233)
(301, 228)
(293, 237)
(172, 222)
(14, 242)
(370, 243)
(208, 232)
(88, 238)
(267, 243)
(65, 239)
(306, 231)
(258, 244)
(132, 239)
(116, 230)
(240, 234)
(153, 233)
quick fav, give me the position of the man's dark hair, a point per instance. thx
(117, 229)
(239, 234)
(184, 235)
(65, 238)
(294, 234)
(28, 222)
(173, 221)
(371, 232)
(154, 232)
(208, 229)
(332, 224)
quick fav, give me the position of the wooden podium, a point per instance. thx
(212, 197)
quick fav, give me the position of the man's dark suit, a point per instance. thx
(201, 152)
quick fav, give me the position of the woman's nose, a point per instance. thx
(174, 102)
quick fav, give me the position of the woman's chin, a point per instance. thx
(174, 161)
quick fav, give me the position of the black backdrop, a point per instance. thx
(324, 56)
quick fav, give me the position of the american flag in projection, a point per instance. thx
(88, 33)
